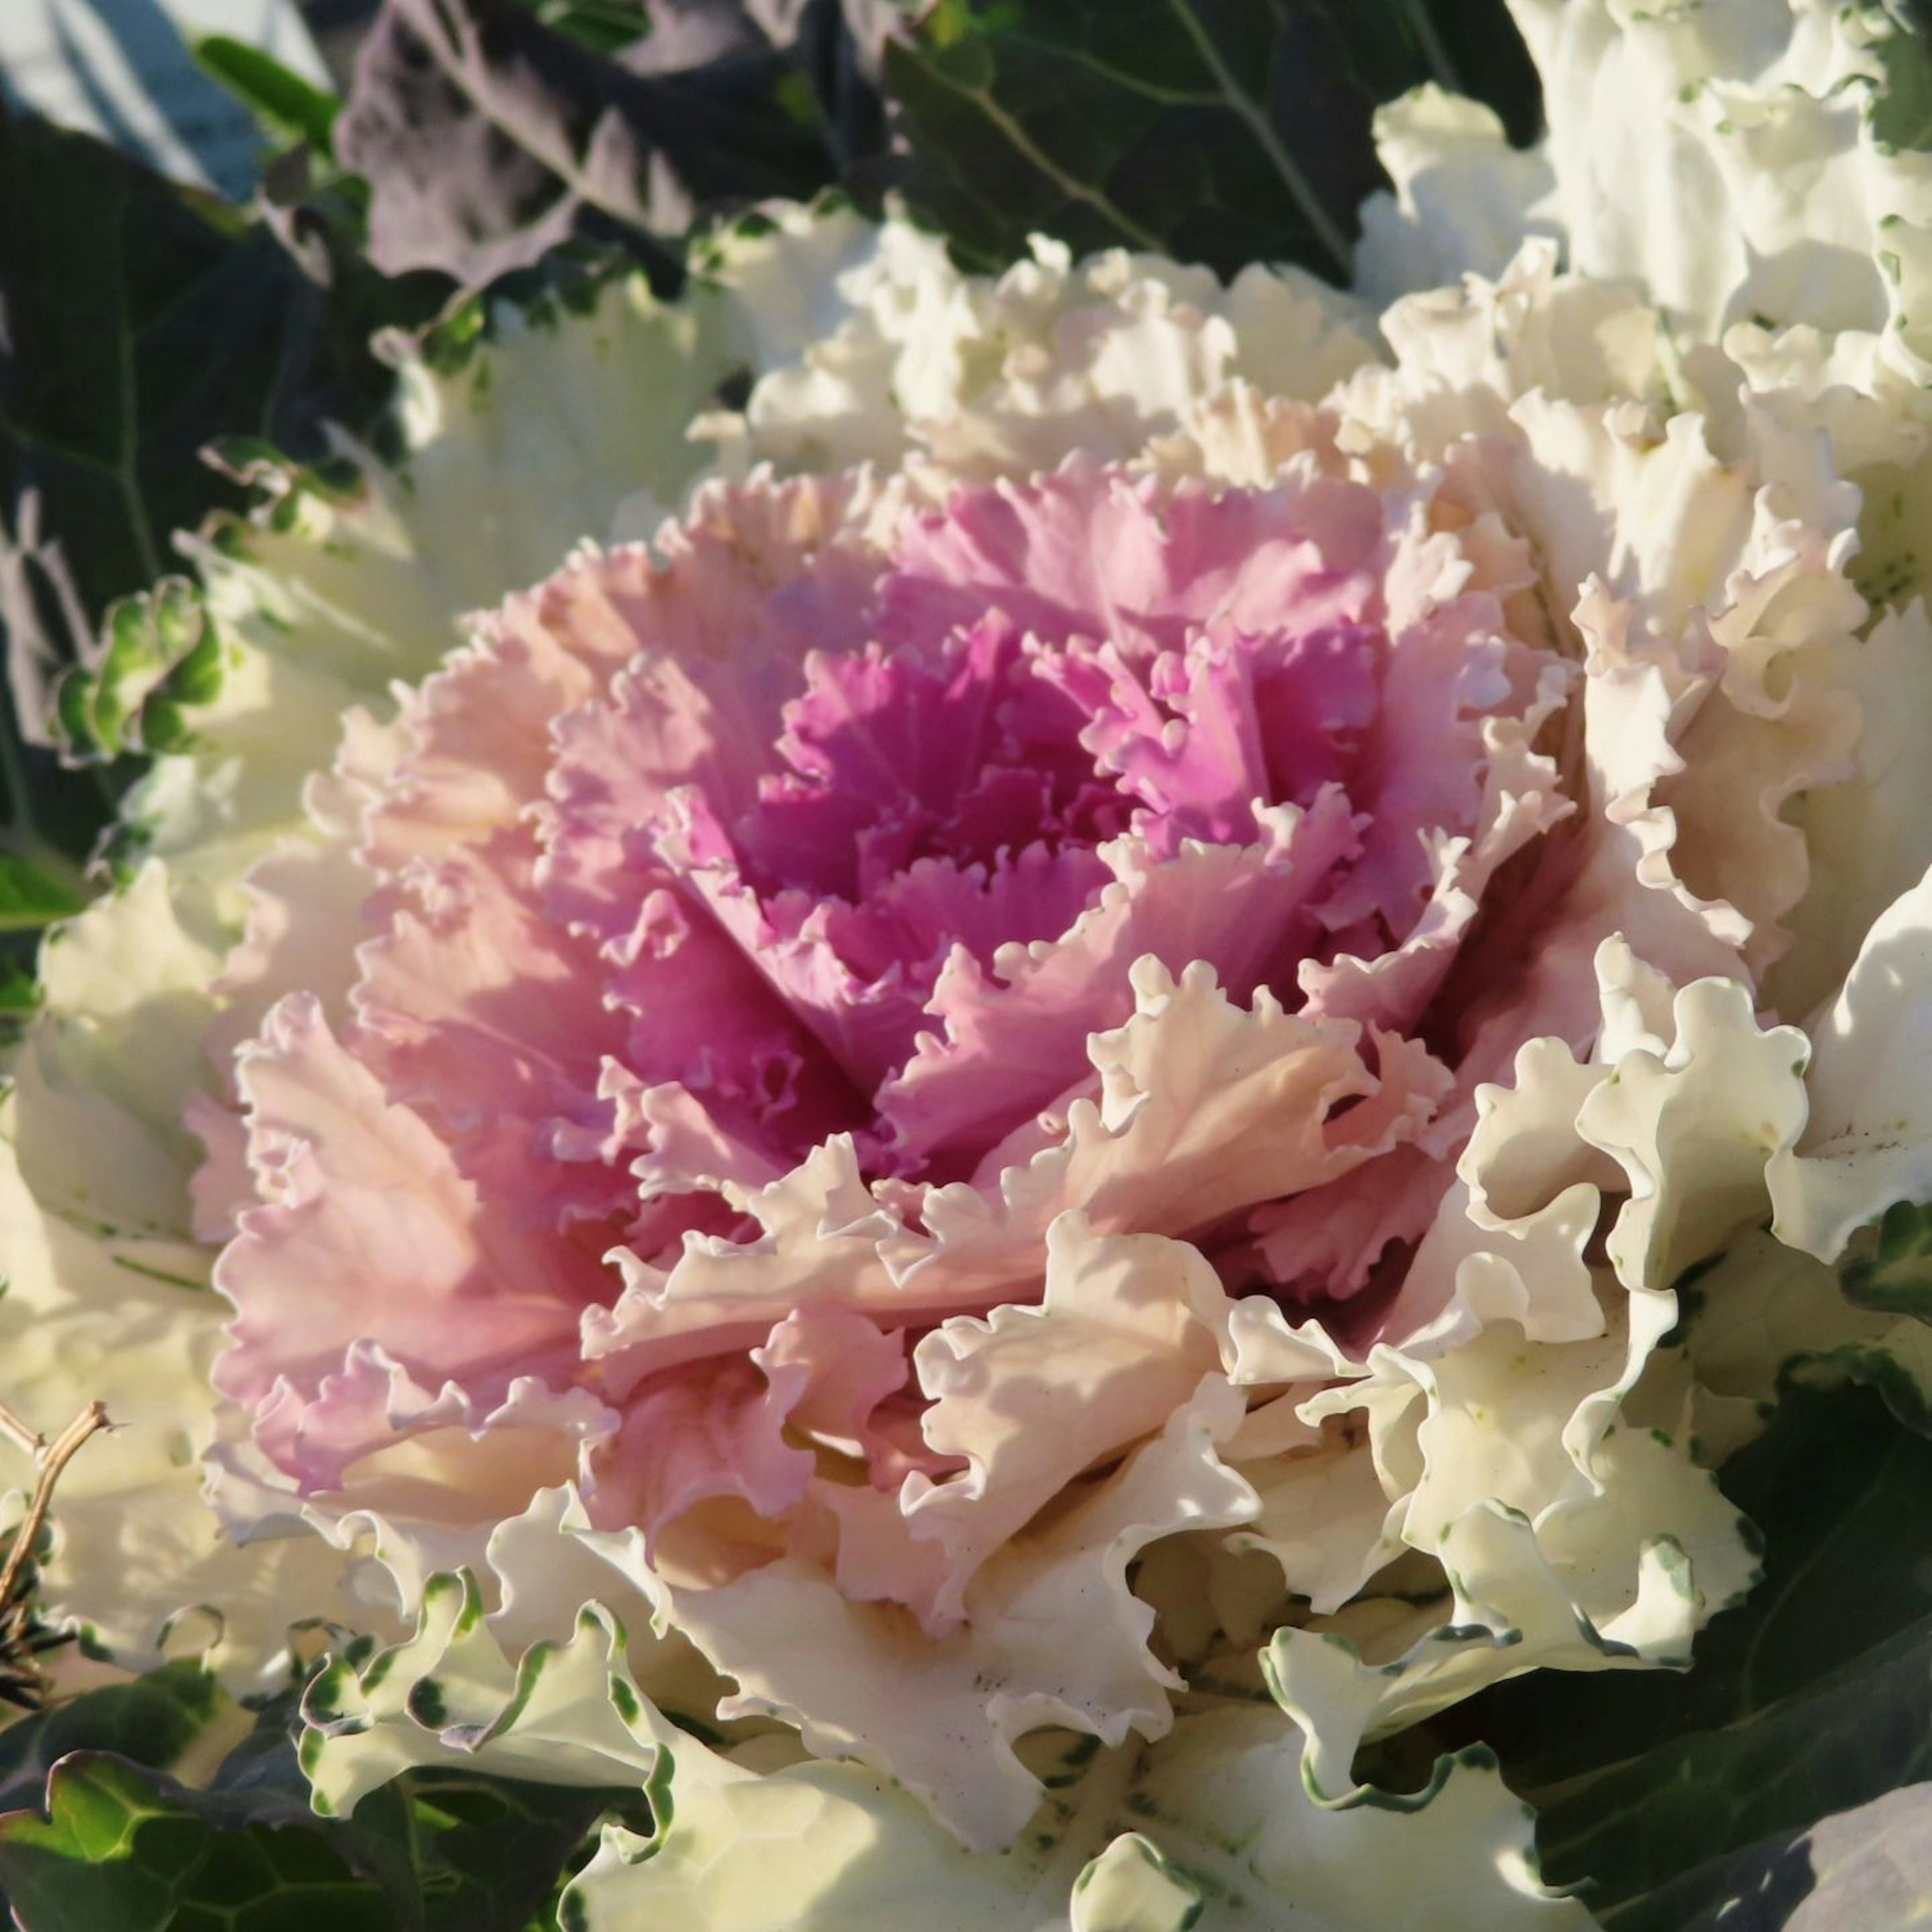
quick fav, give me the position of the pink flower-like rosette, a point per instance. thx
(892, 1052)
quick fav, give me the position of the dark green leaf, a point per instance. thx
(1869, 1868)
(1854, 1735)
(1221, 131)
(288, 107)
(122, 1844)
(1832, 1487)
(489, 1852)
(123, 1847)
(604, 26)
(35, 891)
(142, 320)
(19, 997)
(1902, 117)
(152, 1721)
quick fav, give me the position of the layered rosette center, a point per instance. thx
(1064, 728)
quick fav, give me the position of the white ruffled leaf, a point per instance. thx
(1215, 1820)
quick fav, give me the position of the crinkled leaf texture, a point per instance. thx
(1211, 1827)
(1741, 164)
(1762, 171)
(1663, 1800)
(519, 433)
(1550, 1533)
(107, 1298)
(1564, 1536)
(522, 433)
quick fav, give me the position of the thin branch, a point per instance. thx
(30, 1440)
(53, 1457)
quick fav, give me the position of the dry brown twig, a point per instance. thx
(50, 1460)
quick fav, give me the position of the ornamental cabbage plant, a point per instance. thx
(950, 1109)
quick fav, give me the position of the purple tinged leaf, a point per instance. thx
(488, 139)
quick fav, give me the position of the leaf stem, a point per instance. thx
(1320, 222)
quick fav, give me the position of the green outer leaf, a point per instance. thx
(288, 107)
(604, 26)
(124, 1844)
(155, 1721)
(144, 321)
(1852, 1737)
(35, 892)
(490, 1853)
(1894, 1276)
(140, 320)
(1222, 131)
(19, 997)
(1901, 117)
(122, 1849)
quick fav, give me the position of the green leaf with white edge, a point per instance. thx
(1221, 131)
(1891, 1270)
(1808, 1699)
(1764, 1315)
(567, 1713)
(158, 1801)
(172, 1720)
(1213, 1826)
